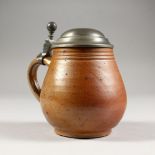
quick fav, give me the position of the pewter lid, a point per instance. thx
(79, 37)
(82, 37)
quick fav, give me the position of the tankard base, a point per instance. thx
(82, 135)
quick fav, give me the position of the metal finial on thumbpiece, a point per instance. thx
(51, 27)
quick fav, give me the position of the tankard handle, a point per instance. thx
(32, 75)
(43, 58)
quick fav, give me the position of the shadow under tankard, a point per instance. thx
(29, 131)
(41, 131)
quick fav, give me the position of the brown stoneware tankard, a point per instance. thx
(83, 95)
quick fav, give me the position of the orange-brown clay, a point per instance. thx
(83, 95)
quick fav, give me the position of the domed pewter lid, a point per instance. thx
(82, 37)
(79, 37)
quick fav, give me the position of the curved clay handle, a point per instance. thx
(32, 75)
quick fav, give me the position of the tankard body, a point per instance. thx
(83, 94)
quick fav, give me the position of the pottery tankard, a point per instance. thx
(83, 95)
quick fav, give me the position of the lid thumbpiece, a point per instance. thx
(51, 27)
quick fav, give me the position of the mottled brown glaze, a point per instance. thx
(83, 95)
